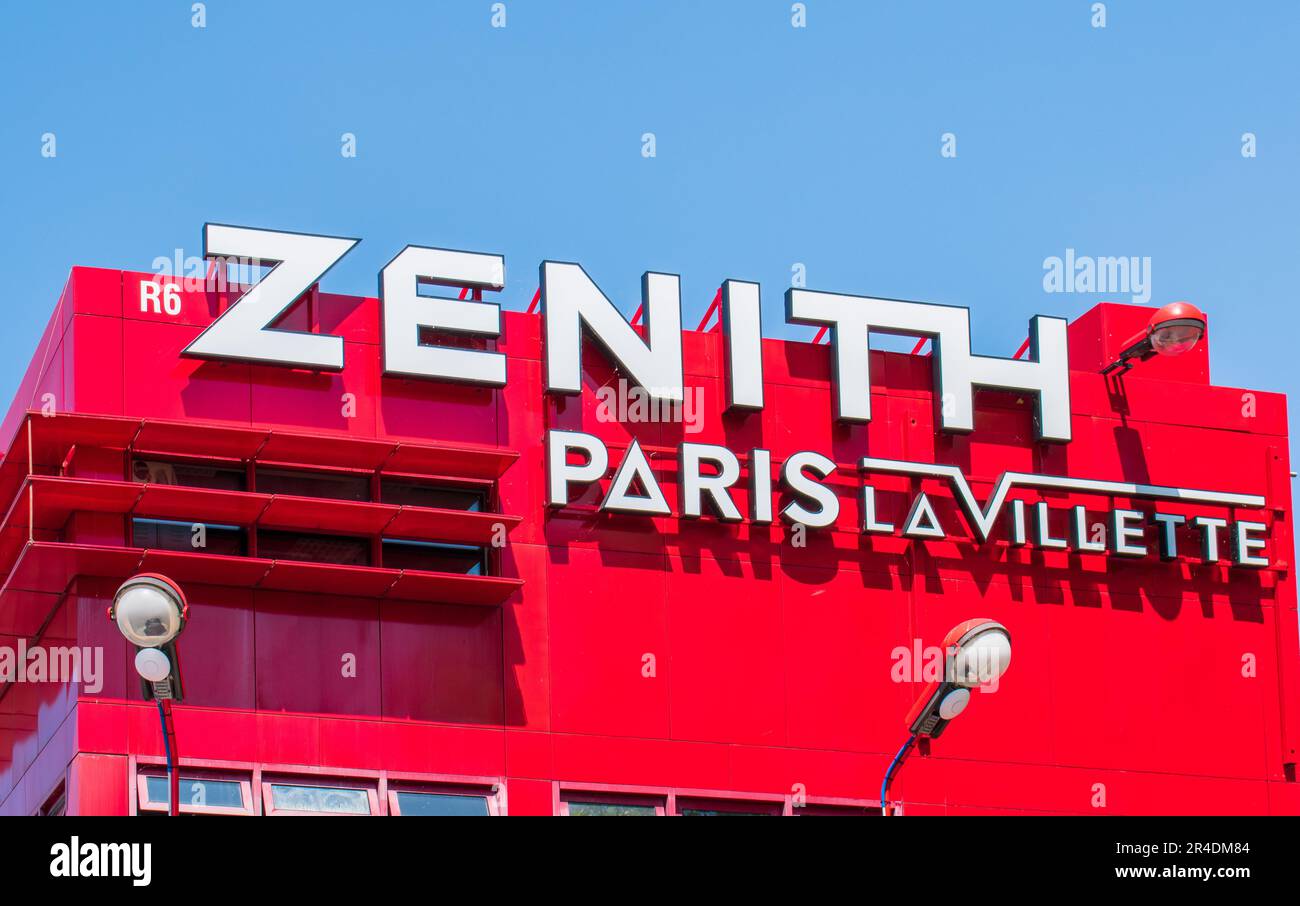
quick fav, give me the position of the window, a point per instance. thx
(584, 804)
(314, 546)
(327, 484)
(340, 549)
(439, 558)
(633, 801)
(56, 804)
(429, 336)
(228, 789)
(611, 809)
(162, 534)
(415, 802)
(191, 475)
(304, 483)
(812, 809)
(284, 798)
(201, 793)
(407, 492)
(724, 808)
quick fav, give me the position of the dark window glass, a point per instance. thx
(56, 805)
(197, 791)
(441, 804)
(301, 483)
(609, 808)
(315, 548)
(837, 811)
(414, 493)
(438, 558)
(191, 475)
(428, 336)
(694, 807)
(205, 538)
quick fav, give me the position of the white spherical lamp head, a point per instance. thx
(979, 652)
(149, 610)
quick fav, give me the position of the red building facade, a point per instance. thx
(386, 616)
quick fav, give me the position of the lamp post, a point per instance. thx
(1172, 330)
(150, 611)
(975, 652)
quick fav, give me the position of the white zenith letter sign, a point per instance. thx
(956, 371)
(571, 301)
(573, 304)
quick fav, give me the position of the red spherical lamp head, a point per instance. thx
(1176, 328)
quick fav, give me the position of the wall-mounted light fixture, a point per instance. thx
(1173, 330)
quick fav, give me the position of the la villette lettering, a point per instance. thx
(572, 303)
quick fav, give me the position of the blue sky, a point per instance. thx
(774, 146)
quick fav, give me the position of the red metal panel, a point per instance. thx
(53, 499)
(425, 749)
(349, 743)
(23, 612)
(198, 504)
(354, 318)
(92, 379)
(447, 459)
(161, 383)
(45, 567)
(287, 739)
(52, 436)
(206, 569)
(49, 770)
(521, 336)
(812, 772)
(326, 578)
(441, 663)
(328, 401)
(647, 762)
(316, 515)
(728, 676)
(94, 291)
(836, 623)
(97, 785)
(452, 588)
(426, 523)
(220, 632)
(222, 734)
(529, 754)
(95, 629)
(525, 492)
(525, 639)
(620, 639)
(189, 439)
(1190, 659)
(530, 797)
(306, 448)
(430, 410)
(317, 654)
